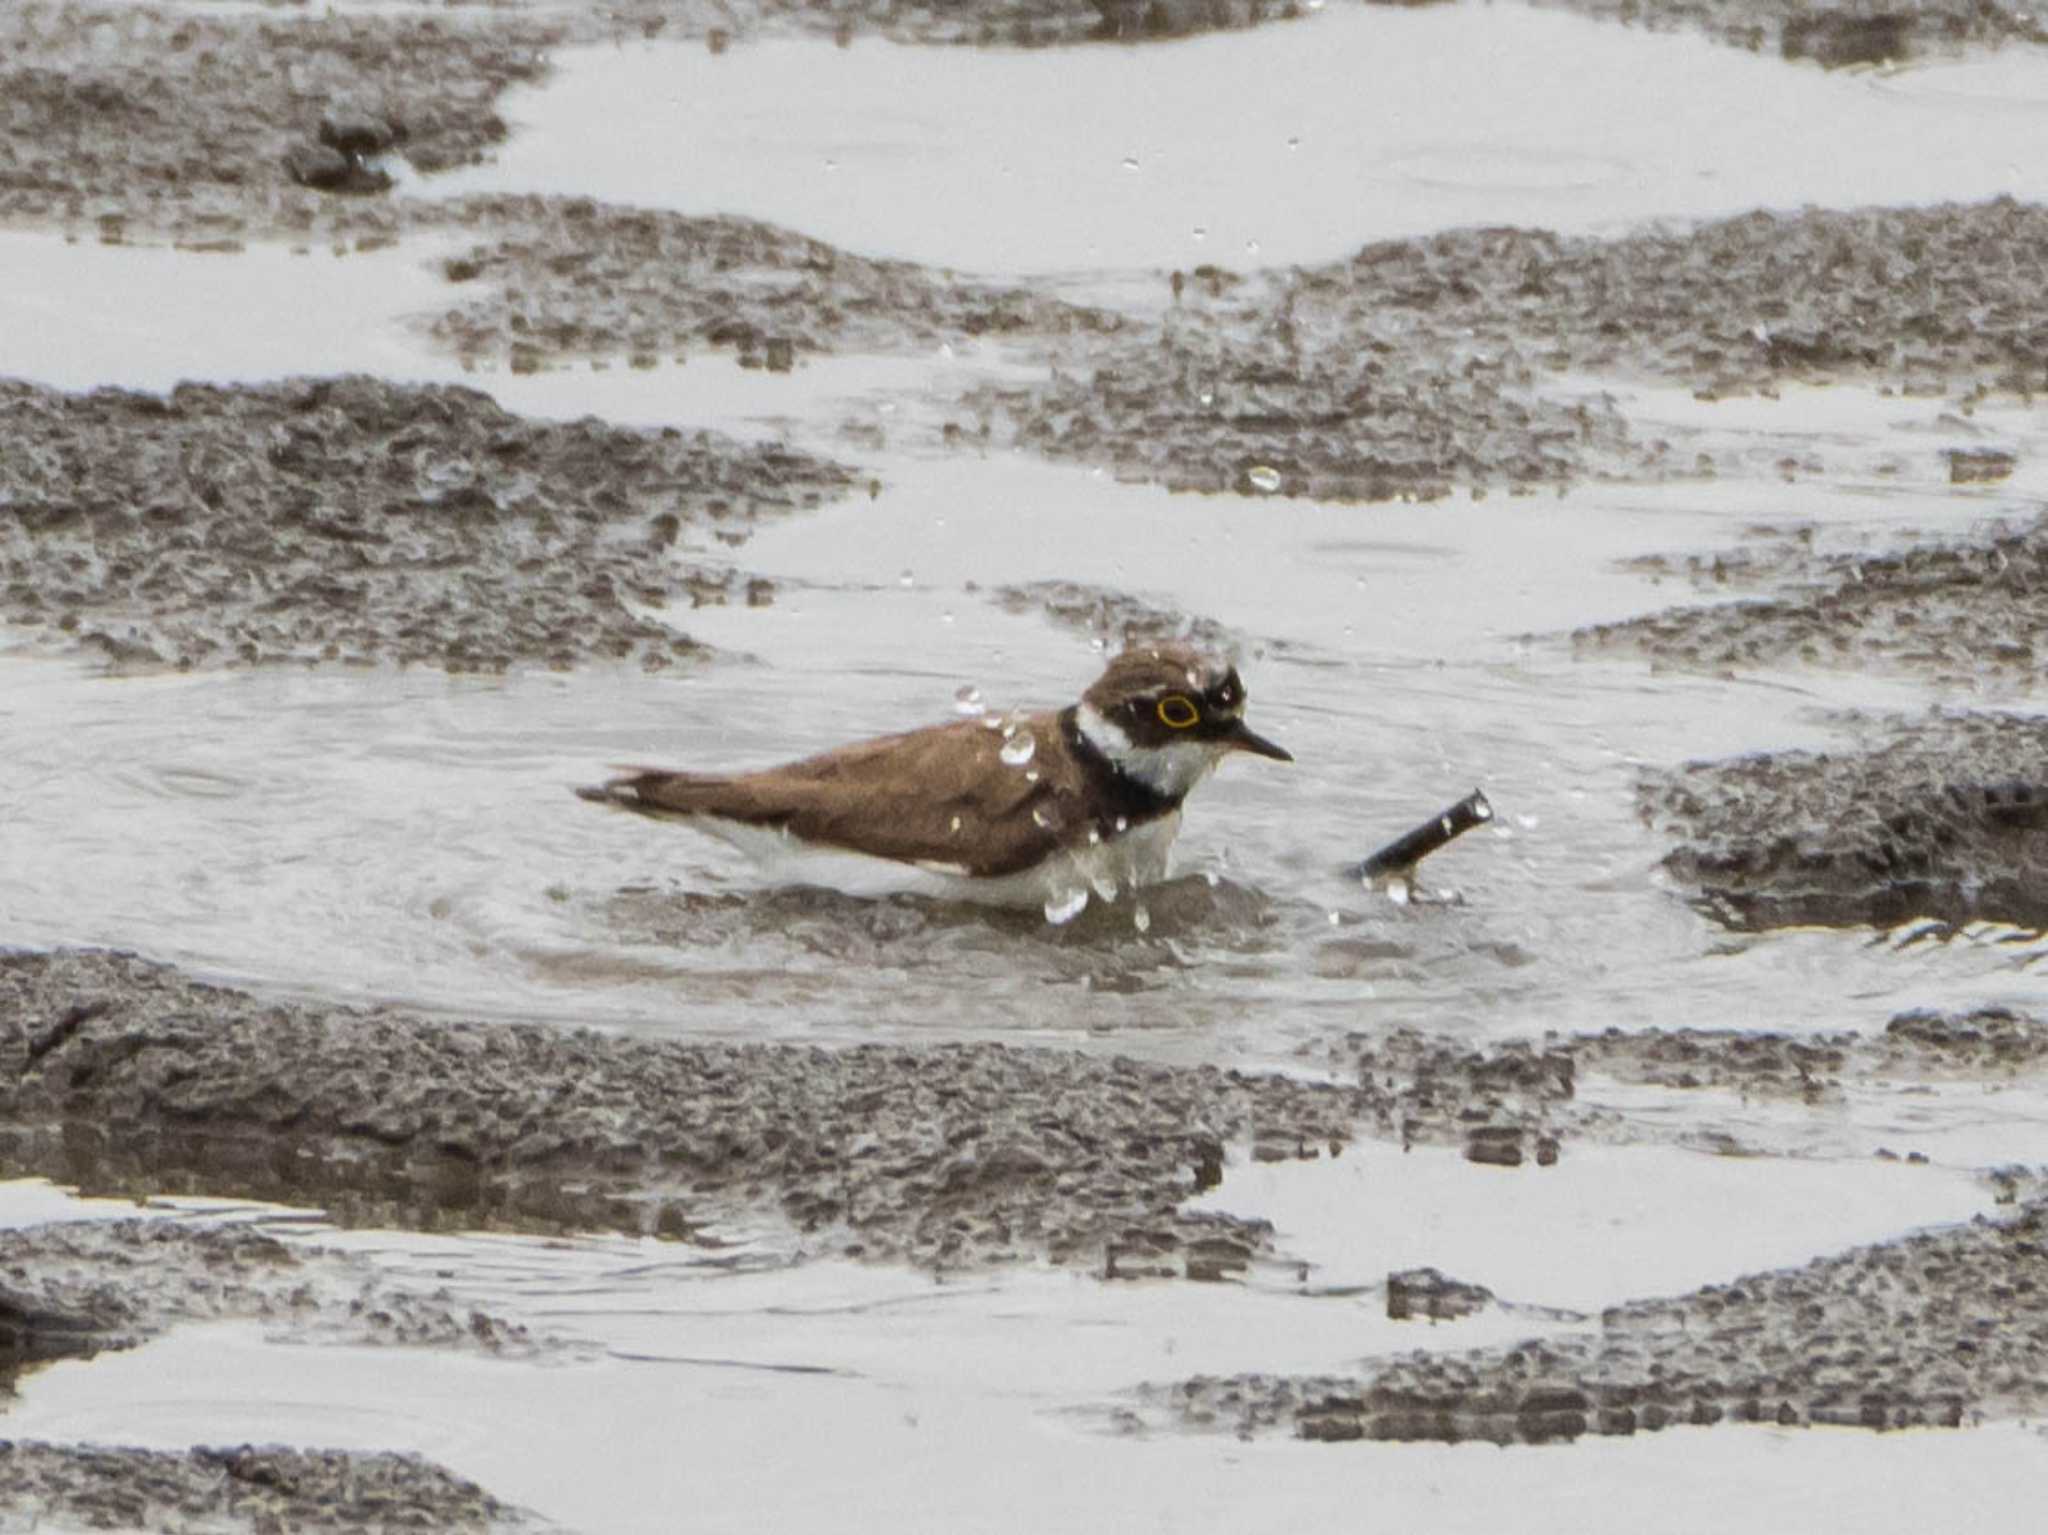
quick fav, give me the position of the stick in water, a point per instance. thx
(1405, 852)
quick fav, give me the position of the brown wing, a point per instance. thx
(942, 795)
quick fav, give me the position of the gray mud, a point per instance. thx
(1833, 35)
(1944, 816)
(137, 1080)
(1934, 1329)
(1964, 613)
(1423, 366)
(76, 1288)
(359, 521)
(550, 279)
(234, 1488)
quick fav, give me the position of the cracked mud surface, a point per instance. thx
(1944, 816)
(355, 520)
(235, 1488)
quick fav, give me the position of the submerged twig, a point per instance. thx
(1409, 849)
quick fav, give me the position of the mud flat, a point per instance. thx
(1963, 615)
(75, 1288)
(139, 1079)
(246, 1487)
(359, 521)
(551, 279)
(1938, 1328)
(1944, 816)
(1424, 366)
(1832, 35)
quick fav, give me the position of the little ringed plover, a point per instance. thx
(1035, 810)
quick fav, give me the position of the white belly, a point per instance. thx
(1062, 886)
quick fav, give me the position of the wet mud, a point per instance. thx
(354, 520)
(1943, 817)
(1835, 35)
(139, 1080)
(1964, 614)
(74, 1289)
(1935, 1329)
(235, 1488)
(551, 279)
(1458, 362)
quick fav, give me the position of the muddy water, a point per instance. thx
(407, 836)
(679, 1374)
(1355, 124)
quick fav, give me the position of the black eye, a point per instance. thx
(1178, 711)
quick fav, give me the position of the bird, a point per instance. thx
(1045, 810)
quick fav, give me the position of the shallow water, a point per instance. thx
(682, 1378)
(410, 837)
(406, 836)
(1356, 123)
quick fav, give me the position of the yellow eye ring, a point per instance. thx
(1177, 711)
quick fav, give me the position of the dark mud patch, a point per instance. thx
(173, 120)
(1423, 366)
(73, 1289)
(1944, 817)
(179, 121)
(940, 1156)
(1987, 1044)
(1117, 619)
(236, 1488)
(1966, 613)
(360, 521)
(552, 278)
(1937, 1328)
(1833, 35)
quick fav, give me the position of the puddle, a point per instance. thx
(1605, 1224)
(408, 836)
(903, 1435)
(1390, 123)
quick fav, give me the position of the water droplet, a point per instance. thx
(1094, 837)
(1251, 247)
(1141, 919)
(1130, 162)
(1201, 233)
(1261, 477)
(1123, 824)
(945, 618)
(967, 700)
(956, 826)
(1063, 906)
(906, 579)
(1018, 749)
(1336, 918)
(1294, 143)
(1031, 775)
(1207, 397)
(831, 165)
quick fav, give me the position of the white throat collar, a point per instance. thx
(1170, 770)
